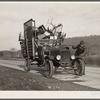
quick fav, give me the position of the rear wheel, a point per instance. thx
(80, 67)
(27, 65)
(49, 69)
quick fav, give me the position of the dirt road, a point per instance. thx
(90, 80)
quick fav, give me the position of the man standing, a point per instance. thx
(80, 51)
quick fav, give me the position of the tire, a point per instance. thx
(27, 65)
(49, 69)
(80, 65)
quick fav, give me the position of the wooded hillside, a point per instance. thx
(92, 43)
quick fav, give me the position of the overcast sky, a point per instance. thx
(78, 19)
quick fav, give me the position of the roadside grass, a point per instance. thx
(12, 79)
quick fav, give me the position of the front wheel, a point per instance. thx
(27, 65)
(49, 69)
(80, 67)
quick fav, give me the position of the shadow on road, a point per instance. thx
(58, 72)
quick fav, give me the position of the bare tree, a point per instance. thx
(13, 50)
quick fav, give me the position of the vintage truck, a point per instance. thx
(45, 46)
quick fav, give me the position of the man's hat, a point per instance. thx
(82, 42)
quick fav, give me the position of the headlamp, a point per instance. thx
(36, 53)
(73, 57)
(58, 57)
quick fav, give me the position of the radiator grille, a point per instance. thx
(65, 56)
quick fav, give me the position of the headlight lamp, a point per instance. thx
(36, 53)
(73, 57)
(58, 57)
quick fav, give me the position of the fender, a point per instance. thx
(79, 58)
